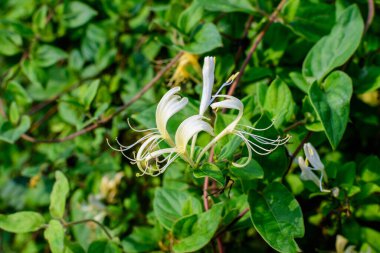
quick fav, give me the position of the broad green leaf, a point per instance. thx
(9, 133)
(90, 93)
(228, 6)
(171, 205)
(103, 247)
(21, 222)
(369, 169)
(205, 39)
(299, 81)
(277, 217)
(331, 102)
(47, 55)
(210, 170)
(58, 195)
(309, 19)
(142, 239)
(335, 49)
(78, 14)
(10, 43)
(369, 80)
(55, 235)
(190, 17)
(279, 102)
(253, 170)
(14, 115)
(70, 110)
(196, 231)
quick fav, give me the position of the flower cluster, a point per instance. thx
(153, 160)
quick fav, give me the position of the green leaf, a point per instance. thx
(210, 170)
(78, 14)
(10, 43)
(142, 239)
(228, 6)
(190, 17)
(103, 247)
(331, 102)
(196, 231)
(253, 170)
(277, 217)
(205, 39)
(299, 81)
(47, 55)
(171, 205)
(308, 19)
(58, 195)
(21, 222)
(335, 49)
(90, 93)
(55, 235)
(9, 133)
(279, 102)
(14, 115)
(369, 169)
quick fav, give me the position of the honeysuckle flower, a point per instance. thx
(149, 162)
(169, 105)
(307, 172)
(253, 142)
(181, 73)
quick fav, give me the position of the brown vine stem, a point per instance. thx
(90, 220)
(106, 119)
(259, 38)
(370, 16)
(233, 222)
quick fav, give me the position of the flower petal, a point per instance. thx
(169, 105)
(208, 82)
(188, 128)
(230, 103)
(312, 156)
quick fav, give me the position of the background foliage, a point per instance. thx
(68, 67)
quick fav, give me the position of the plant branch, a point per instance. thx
(259, 38)
(90, 220)
(106, 119)
(233, 222)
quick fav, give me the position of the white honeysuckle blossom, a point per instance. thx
(148, 156)
(153, 160)
(259, 144)
(307, 172)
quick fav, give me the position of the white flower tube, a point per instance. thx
(307, 172)
(208, 83)
(188, 128)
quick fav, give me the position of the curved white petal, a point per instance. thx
(188, 128)
(169, 105)
(208, 82)
(307, 174)
(312, 156)
(230, 103)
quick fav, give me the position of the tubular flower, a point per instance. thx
(150, 159)
(256, 143)
(308, 173)
(149, 162)
(208, 83)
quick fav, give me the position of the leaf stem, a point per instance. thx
(67, 224)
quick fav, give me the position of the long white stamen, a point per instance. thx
(140, 131)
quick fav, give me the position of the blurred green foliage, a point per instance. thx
(67, 66)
